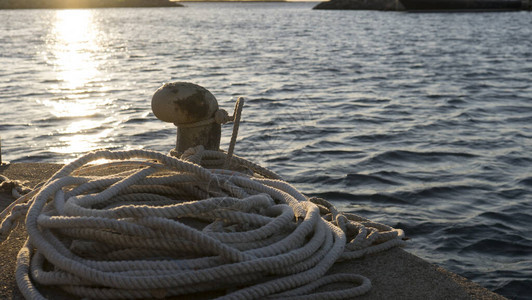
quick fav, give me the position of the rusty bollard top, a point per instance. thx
(189, 107)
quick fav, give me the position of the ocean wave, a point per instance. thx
(515, 289)
(526, 181)
(396, 156)
(506, 245)
(342, 196)
(362, 179)
(55, 119)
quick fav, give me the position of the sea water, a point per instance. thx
(420, 121)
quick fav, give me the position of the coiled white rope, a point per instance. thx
(172, 227)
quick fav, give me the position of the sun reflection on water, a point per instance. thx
(74, 46)
(73, 108)
(75, 40)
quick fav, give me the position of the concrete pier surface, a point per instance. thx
(394, 274)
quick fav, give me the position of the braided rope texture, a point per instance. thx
(171, 226)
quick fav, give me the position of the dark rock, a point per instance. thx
(361, 5)
(466, 5)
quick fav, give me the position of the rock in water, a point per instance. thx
(361, 5)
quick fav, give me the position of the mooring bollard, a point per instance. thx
(193, 109)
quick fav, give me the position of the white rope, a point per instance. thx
(15, 187)
(171, 227)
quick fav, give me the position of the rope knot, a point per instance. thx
(193, 154)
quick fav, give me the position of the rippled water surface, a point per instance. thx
(421, 121)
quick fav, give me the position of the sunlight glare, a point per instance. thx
(74, 49)
(80, 143)
(74, 41)
(72, 108)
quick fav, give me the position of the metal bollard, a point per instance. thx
(192, 109)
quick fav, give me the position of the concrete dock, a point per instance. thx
(394, 274)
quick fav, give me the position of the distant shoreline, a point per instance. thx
(77, 4)
(74, 4)
(239, 1)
